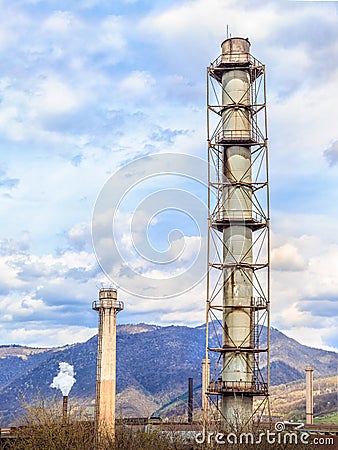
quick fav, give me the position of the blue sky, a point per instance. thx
(88, 87)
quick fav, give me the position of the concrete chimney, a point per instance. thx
(205, 384)
(309, 395)
(108, 306)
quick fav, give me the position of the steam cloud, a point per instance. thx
(64, 380)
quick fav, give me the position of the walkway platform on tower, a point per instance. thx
(230, 387)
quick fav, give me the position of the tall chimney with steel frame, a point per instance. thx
(238, 236)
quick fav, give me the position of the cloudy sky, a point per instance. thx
(87, 88)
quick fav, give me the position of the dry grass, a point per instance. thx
(42, 427)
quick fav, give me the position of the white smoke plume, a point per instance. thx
(64, 380)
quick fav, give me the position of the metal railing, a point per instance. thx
(258, 302)
(254, 137)
(220, 386)
(238, 214)
(234, 135)
(235, 58)
(108, 303)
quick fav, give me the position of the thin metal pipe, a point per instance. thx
(268, 242)
(190, 399)
(65, 408)
(206, 373)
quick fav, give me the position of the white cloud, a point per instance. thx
(305, 289)
(79, 236)
(54, 96)
(137, 86)
(59, 22)
(287, 257)
(331, 153)
(47, 337)
(36, 289)
(83, 92)
(314, 337)
(112, 29)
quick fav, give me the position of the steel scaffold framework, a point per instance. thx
(220, 347)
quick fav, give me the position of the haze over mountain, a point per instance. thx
(153, 366)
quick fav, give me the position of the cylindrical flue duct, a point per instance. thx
(309, 395)
(65, 408)
(108, 306)
(190, 399)
(237, 238)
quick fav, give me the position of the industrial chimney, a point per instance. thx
(309, 395)
(205, 385)
(65, 408)
(190, 399)
(238, 237)
(108, 306)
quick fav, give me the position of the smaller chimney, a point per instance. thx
(205, 385)
(309, 395)
(65, 408)
(190, 400)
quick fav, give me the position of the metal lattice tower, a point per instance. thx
(238, 280)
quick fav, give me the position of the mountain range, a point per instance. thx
(153, 367)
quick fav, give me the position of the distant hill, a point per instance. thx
(16, 360)
(153, 367)
(298, 356)
(288, 400)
